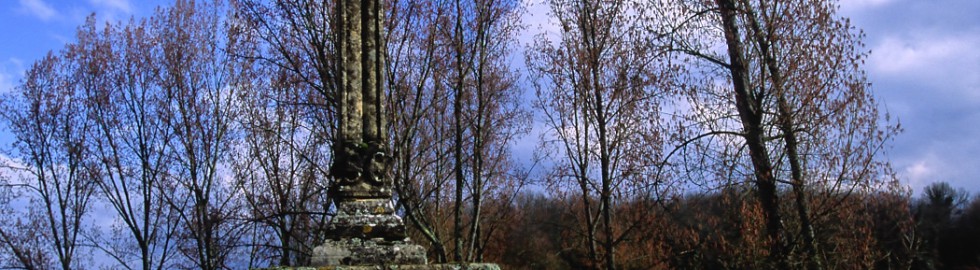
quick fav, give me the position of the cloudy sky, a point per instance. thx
(924, 65)
(925, 68)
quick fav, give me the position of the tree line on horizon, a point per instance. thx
(671, 134)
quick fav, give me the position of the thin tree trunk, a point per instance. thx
(458, 169)
(785, 120)
(583, 181)
(750, 113)
(458, 124)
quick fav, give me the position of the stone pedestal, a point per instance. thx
(367, 232)
(448, 266)
(367, 252)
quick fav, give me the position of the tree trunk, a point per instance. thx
(785, 122)
(750, 113)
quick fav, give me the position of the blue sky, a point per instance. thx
(924, 66)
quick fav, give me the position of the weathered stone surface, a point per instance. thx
(367, 232)
(354, 251)
(471, 266)
(366, 219)
(365, 207)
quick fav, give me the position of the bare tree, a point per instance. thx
(199, 81)
(278, 168)
(417, 102)
(128, 141)
(21, 243)
(486, 109)
(48, 121)
(296, 36)
(802, 108)
(291, 120)
(597, 91)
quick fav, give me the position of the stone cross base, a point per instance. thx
(470, 266)
(367, 252)
(367, 232)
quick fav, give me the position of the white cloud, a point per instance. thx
(114, 5)
(895, 55)
(105, 10)
(857, 5)
(37, 8)
(930, 168)
(8, 76)
(13, 170)
(947, 63)
(949, 163)
(919, 173)
(6, 82)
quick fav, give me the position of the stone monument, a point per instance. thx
(366, 233)
(366, 230)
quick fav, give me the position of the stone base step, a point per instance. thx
(446, 266)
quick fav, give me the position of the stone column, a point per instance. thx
(365, 230)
